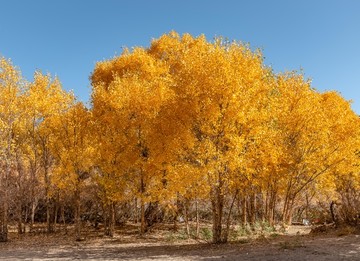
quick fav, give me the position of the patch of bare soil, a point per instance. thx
(126, 245)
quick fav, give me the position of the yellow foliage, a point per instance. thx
(185, 117)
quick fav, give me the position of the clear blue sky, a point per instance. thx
(67, 37)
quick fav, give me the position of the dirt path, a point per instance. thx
(295, 248)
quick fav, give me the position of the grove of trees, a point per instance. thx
(186, 127)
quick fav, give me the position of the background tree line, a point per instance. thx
(187, 127)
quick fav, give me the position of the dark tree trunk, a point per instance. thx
(77, 215)
(49, 223)
(142, 210)
(110, 220)
(143, 223)
(19, 219)
(186, 217)
(4, 207)
(197, 218)
(136, 212)
(228, 219)
(3, 220)
(217, 201)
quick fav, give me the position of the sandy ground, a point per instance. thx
(282, 247)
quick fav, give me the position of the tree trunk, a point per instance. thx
(175, 225)
(177, 211)
(4, 208)
(186, 210)
(56, 220)
(32, 215)
(142, 190)
(62, 210)
(244, 212)
(252, 209)
(270, 215)
(267, 206)
(19, 219)
(3, 218)
(217, 201)
(26, 217)
(49, 216)
(143, 224)
(113, 220)
(77, 215)
(49, 224)
(288, 211)
(228, 220)
(197, 219)
(110, 220)
(272, 212)
(136, 213)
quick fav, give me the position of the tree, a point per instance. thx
(129, 93)
(311, 146)
(341, 185)
(73, 151)
(44, 100)
(215, 86)
(11, 84)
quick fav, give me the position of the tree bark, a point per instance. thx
(49, 224)
(252, 209)
(244, 212)
(143, 224)
(110, 220)
(136, 213)
(197, 219)
(217, 201)
(32, 214)
(4, 187)
(19, 219)
(142, 190)
(77, 215)
(270, 215)
(186, 210)
(4, 217)
(228, 220)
